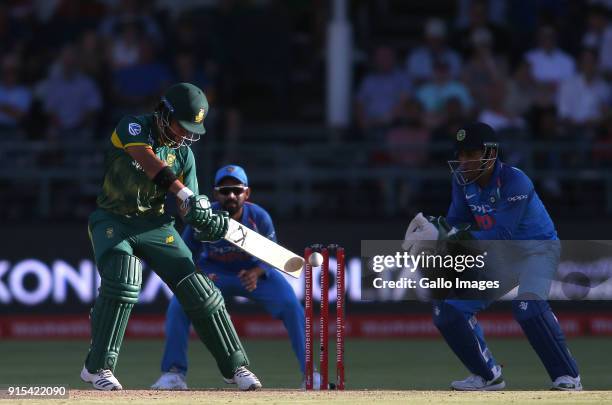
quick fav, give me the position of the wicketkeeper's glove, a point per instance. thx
(447, 232)
(421, 236)
(214, 229)
(425, 233)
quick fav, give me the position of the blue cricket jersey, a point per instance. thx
(224, 255)
(508, 208)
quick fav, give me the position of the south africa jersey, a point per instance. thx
(126, 189)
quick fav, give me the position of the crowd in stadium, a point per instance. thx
(550, 90)
(538, 70)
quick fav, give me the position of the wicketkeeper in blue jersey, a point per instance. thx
(498, 203)
(235, 273)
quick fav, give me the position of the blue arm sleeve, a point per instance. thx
(514, 201)
(266, 228)
(458, 212)
(193, 245)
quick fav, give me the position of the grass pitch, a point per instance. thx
(385, 371)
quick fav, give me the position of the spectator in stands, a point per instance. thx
(139, 86)
(185, 36)
(478, 20)
(582, 102)
(186, 69)
(126, 49)
(408, 136)
(443, 137)
(66, 19)
(93, 60)
(483, 69)
(596, 25)
(496, 114)
(420, 62)
(549, 64)
(15, 98)
(407, 143)
(584, 96)
(92, 56)
(545, 127)
(220, 119)
(136, 12)
(598, 36)
(434, 95)
(381, 92)
(70, 98)
(521, 90)
(493, 11)
(507, 125)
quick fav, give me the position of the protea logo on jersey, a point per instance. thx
(461, 135)
(170, 159)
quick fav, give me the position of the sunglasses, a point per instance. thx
(227, 190)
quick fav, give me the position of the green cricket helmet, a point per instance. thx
(186, 104)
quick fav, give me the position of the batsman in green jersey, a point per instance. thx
(149, 156)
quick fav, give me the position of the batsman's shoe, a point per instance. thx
(103, 380)
(170, 381)
(567, 383)
(477, 383)
(245, 380)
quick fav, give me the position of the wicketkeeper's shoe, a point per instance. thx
(567, 383)
(103, 380)
(477, 383)
(170, 381)
(246, 380)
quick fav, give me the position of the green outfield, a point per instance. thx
(370, 365)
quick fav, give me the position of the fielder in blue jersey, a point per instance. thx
(499, 202)
(235, 273)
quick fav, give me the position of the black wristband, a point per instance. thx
(164, 178)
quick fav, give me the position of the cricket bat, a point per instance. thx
(264, 249)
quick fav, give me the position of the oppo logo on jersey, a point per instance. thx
(517, 198)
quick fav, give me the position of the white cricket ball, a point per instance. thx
(315, 259)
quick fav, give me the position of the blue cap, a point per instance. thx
(232, 171)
